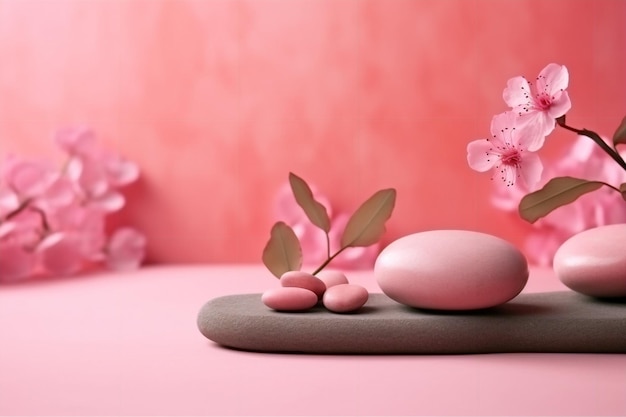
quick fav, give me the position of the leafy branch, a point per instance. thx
(561, 191)
(365, 227)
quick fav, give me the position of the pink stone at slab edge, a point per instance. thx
(332, 278)
(451, 270)
(305, 280)
(345, 298)
(289, 299)
(593, 262)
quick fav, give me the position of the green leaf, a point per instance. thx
(367, 224)
(314, 210)
(557, 192)
(282, 252)
(620, 134)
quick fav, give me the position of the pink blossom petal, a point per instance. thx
(28, 178)
(16, 263)
(68, 218)
(540, 122)
(560, 105)
(120, 172)
(517, 92)
(480, 156)
(8, 202)
(91, 244)
(501, 127)
(61, 255)
(88, 223)
(6, 228)
(77, 141)
(530, 131)
(50, 240)
(60, 193)
(74, 169)
(93, 179)
(26, 229)
(531, 168)
(110, 202)
(552, 79)
(126, 249)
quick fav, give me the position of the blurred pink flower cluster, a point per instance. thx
(584, 159)
(52, 221)
(313, 240)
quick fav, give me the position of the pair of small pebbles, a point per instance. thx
(301, 291)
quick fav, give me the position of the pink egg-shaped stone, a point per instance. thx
(593, 262)
(451, 270)
(289, 299)
(302, 279)
(345, 298)
(331, 278)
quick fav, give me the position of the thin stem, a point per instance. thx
(608, 185)
(330, 258)
(597, 139)
(44, 219)
(327, 244)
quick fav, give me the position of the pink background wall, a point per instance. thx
(218, 100)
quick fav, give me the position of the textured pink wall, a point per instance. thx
(218, 100)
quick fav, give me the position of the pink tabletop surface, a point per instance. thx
(128, 345)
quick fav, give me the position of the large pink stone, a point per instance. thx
(593, 262)
(451, 270)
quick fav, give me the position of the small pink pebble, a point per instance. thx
(289, 299)
(332, 278)
(301, 279)
(345, 298)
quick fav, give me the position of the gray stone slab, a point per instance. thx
(560, 322)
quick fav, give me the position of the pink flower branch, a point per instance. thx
(53, 220)
(536, 108)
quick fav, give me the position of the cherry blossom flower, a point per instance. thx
(540, 103)
(506, 152)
